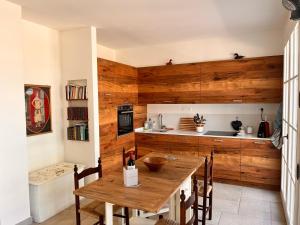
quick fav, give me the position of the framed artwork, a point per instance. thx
(38, 110)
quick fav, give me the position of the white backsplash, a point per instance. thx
(218, 116)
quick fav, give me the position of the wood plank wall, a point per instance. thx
(117, 85)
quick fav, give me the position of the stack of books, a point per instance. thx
(79, 132)
(77, 113)
(76, 92)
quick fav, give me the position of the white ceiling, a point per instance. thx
(130, 23)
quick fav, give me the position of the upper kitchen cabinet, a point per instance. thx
(262, 80)
(253, 80)
(221, 82)
(169, 84)
(117, 83)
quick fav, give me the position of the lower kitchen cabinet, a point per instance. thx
(227, 157)
(147, 143)
(260, 163)
(237, 161)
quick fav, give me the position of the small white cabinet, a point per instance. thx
(51, 190)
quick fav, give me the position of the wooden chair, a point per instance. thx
(95, 209)
(126, 154)
(191, 202)
(206, 190)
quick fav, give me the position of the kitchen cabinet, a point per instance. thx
(250, 80)
(260, 163)
(263, 80)
(250, 162)
(227, 157)
(254, 80)
(169, 84)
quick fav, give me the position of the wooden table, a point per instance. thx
(154, 191)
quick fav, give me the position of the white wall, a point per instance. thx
(41, 54)
(14, 196)
(79, 61)
(218, 116)
(204, 49)
(106, 53)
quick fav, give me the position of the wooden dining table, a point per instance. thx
(155, 189)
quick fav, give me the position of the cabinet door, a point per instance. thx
(260, 163)
(169, 84)
(184, 145)
(117, 84)
(262, 80)
(227, 158)
(147, 143)
(221, 82)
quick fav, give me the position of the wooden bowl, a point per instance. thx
(155, 163)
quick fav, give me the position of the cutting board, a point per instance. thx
(187, 124)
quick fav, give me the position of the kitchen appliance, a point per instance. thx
(264, 127)
(236, 125)
(125, 119)
(221, 133)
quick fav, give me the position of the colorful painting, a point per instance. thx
(38, 111)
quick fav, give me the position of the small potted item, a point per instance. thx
(199, 122)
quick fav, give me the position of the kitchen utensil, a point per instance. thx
(187, 124)
(155, 163)
(249, 130)
(236, 124)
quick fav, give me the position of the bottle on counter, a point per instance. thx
(131, 162)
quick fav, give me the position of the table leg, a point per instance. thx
(175, 201)
(108, 213)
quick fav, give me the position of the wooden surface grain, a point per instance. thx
(154, 190)
(117, 85)
(249, 80)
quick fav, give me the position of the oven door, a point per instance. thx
(125, 122)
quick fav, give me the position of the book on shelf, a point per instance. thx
(76, 92)
(77, 113)
(79, 132)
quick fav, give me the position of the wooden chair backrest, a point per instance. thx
(191, 202)
(127, 153)
(208, 169)
(86, 172)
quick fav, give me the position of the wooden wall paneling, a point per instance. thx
(260, 163)
(169, 84)
(140, 115)
(117, 85)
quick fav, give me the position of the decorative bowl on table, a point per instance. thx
(155, 163)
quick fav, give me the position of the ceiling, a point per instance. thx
(131, 23)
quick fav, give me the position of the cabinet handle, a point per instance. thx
(167, 101)
(107, 94)
(259, 142)
(237, 100)
(218, 140)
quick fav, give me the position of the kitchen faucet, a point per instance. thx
(160, 116)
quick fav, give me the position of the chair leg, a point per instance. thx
(210, 205)
(127, 216)
(101, 220)
(204, 211)
(78, 222)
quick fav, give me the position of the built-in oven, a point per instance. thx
(125, 119)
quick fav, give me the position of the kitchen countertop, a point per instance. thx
(194, 133)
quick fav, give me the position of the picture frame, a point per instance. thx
(37, 109)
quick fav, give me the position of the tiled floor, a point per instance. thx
(233, 205)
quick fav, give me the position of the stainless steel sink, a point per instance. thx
(221, 133)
